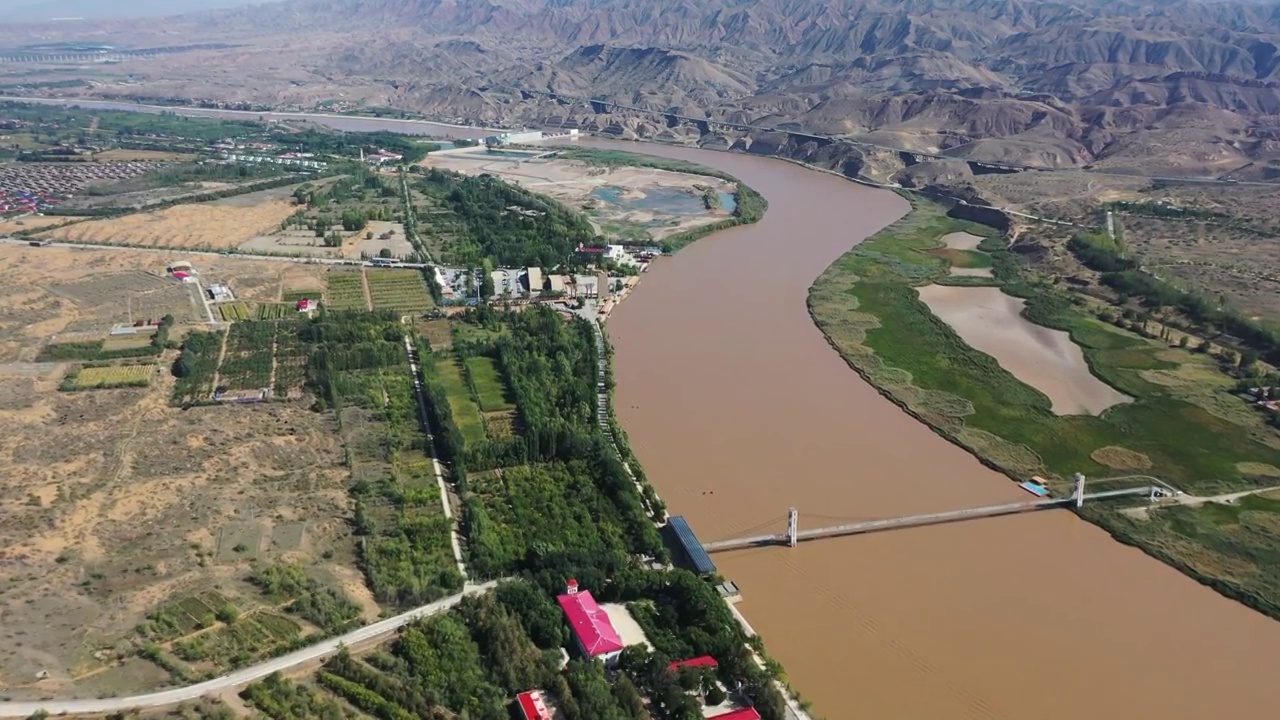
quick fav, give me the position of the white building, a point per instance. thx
(514, 138)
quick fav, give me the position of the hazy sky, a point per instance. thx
(45, 9)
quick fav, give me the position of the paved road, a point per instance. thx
(380, 629)
(206, 253)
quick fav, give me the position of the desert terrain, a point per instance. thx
(120, 501)
(219, 224)
(1057, 85)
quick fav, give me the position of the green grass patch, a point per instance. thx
(466, 413)
(1191, 431)
(1184, 422)
(293, 296)
(490, 388)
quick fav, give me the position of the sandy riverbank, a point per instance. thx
(1047, 360)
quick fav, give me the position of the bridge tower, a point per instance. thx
(1079, 496)
(793, 526)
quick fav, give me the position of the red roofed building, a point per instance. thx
(595, 634)
(533, 707)
(743, 714)
(706, 661)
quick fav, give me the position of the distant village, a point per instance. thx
(595, 287)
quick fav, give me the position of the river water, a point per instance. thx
(738, 408)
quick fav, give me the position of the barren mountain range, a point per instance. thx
(1171, 86)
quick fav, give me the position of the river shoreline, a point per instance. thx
(920, 638)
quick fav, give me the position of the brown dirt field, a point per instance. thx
(1120, 458)
(1257, 468)
(122, 155)
(205, 225)
(66, 291)
(34, 223)
(117, 501)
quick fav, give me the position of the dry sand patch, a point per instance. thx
(971, 272)
(1119, 458)
(1258, 469)
(961, 241)
(32, 222)
(991, 322)
(182, 226)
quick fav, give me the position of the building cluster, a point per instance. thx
(299, 160)
(382, 157)
(462, 285)
(1266, 397)
(602, 632)
(29, 187)
(513, 138)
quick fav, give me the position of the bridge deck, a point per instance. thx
(866, 526)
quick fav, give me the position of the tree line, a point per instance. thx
(505, 223)
(1125, 276)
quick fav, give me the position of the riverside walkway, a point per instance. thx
(795, 535)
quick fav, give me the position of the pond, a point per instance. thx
(668, 201)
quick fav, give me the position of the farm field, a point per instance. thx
(345, 290)
(293, 296)
(466, 413)
(336, 218)
(248, 357)
(114, 376)
(491, 390)
(196, 226)
(400, 291)
(238, 310)
(275, 311)
(255, 356)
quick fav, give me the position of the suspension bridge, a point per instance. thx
(794, 535)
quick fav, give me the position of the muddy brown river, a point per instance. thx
(738, 409)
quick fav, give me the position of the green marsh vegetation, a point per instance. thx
(1184, 426)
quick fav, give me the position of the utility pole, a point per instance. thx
(1079, 477)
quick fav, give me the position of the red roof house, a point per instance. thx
(595, 634)
(532, 706)
(743, 714)
(706, 661)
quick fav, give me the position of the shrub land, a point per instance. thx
(1184, 425)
